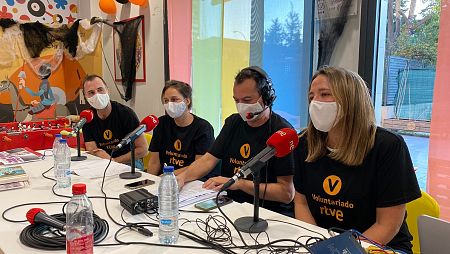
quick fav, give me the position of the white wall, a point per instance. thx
(146, 95)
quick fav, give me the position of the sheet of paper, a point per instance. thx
(193, 192)
(95, 168)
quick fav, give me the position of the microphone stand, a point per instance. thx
(132, 174)
(253, 224)
(79, 157)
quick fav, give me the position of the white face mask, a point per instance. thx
(248, 111)
(323, 114)
(175, 109)
(99, 100)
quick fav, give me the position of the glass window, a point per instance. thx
(413, 73)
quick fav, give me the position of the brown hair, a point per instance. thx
(183, 88)
(356, 119)
(91, 77)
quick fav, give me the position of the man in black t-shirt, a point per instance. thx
(242, 137)
(111, 123)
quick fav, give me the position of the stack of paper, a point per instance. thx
(95, 168)
(193, 192)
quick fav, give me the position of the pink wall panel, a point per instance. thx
(438, 184)
(180, 39)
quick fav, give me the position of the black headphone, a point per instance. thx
(265, 88)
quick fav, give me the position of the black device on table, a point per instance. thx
(211, 203)
(139, 184)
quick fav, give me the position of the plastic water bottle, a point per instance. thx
(79, 222)
(56, 142)
(58, 137)
(62, 164)
(168, 207)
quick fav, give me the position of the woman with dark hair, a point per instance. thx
(180, 137)
(352, 174)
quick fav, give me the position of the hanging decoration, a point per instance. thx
(332, 23)
(128, 33)
(107, 6)
(26, 41)
(139, 2)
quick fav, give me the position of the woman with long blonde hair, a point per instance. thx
(352, 174)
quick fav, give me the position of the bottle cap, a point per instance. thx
(78, 189)
(58, 135)
(62, 141)
(168, 169)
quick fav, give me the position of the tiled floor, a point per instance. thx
(418, 149)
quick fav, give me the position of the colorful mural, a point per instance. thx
(40, 36)
(42, 66)
(44, 11)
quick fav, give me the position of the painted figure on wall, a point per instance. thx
(45, 93)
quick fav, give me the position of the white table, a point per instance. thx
(40, 191)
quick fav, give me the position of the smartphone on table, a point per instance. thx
(211, 203)
(139, 184)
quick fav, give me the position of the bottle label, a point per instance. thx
(84, 244)
(165, 222)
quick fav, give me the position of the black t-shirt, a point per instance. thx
(238, 143)
(107, 133)
(347, 196)
(177, 146)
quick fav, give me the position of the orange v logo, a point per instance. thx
(332, 185)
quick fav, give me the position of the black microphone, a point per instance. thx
(147, 124)
(250, 115)
(280, 144)
(132, 136)
(86, 116)
(38, 215)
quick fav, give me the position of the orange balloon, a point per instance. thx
(107, 6)
(139, 2)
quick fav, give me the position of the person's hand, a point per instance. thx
(216, 183)
(34, 103)
(21, 83)
(73, 118)
(180, 180)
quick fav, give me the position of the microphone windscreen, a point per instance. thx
(65, 133)
(31, 214)
(284, 141)
(150, 121)
(87, 114)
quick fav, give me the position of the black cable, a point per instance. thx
(64, 196)
(215, 237)
(104, 194)
(228, 219)
(44, 237)
(295, 225)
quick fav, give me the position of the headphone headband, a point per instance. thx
(265, 85)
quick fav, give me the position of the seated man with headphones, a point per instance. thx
(243, 136)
